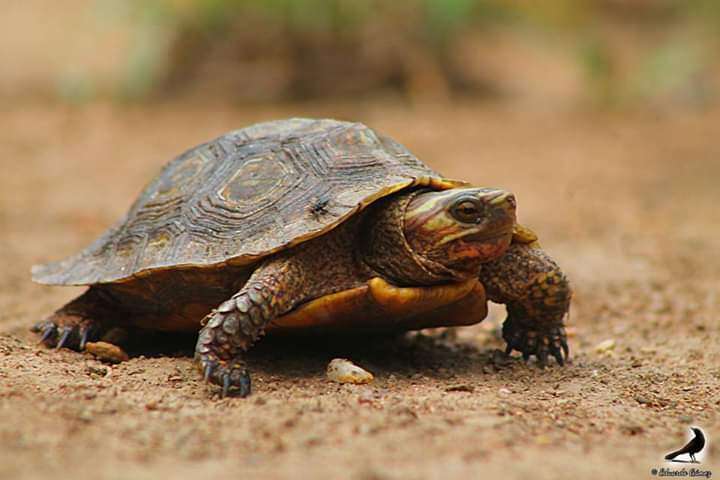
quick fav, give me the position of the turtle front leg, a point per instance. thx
(537, 296)
(233, 327)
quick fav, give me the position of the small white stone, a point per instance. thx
(605, 346)
(344, 371)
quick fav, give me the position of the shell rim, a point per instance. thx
(436, 183)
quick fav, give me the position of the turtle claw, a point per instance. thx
(565, 348)
(66, 332)
(532, 341)
(232, 376)
(84, 336)
(226, 385)
(245, 385)
(48, 331)
(542, 357)
(64, 337)
(207, 372)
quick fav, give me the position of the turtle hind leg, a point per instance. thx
(87, 318)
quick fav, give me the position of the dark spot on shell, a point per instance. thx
(319, 206)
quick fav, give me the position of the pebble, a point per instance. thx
(344, 371)
(96, 370)
(85, 416)
(605, 346)
(107, 352)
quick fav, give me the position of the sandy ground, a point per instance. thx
(628, 204)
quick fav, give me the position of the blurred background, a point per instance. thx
(602, 116)
(599, 114)
(559, 53)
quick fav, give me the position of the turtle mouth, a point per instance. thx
(495, 246)
(477, 248)
(489, 245)
(483, 237)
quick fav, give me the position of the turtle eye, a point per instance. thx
(466, 211)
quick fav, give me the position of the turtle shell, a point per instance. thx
(246, 195)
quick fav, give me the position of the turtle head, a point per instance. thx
(460, 228)
(427, 237)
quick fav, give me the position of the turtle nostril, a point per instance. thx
(510, 199)
(502, 198)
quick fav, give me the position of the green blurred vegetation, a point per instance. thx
(624, 50)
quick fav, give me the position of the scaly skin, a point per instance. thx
(537, 296)
(238, 322)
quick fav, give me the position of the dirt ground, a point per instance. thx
(627, 204)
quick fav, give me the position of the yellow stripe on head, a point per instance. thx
(460, 227)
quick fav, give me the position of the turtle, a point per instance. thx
(308, 224)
